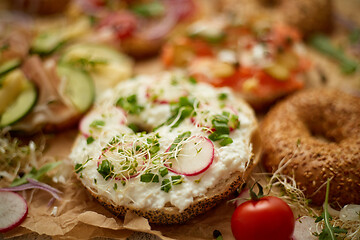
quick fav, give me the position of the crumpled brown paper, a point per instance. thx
(79, 216)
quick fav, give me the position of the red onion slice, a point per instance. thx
(33, 184)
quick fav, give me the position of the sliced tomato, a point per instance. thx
(266, 85)
(283, 35)
(123, 24)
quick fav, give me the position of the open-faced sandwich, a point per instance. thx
(261, 61)
(165, 147)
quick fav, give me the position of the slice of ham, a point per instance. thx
(52, 112)
(16, 44)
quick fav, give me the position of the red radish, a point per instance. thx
(116, 115)
(305, 227)
(195, 156)
(13, 210)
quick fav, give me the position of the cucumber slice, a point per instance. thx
(20, 102)
(106, 66)
(48, 41)
(79, 87)
(9, 65)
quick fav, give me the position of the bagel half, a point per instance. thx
(198, 192)
(316, 133)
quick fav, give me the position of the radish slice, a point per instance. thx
(304, 229)
(195, 156)
(13, 210)
(350, 212)
(88, 124)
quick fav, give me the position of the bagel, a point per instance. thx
(308, 16)
(160, 151)
(317, 134)
(40, 7)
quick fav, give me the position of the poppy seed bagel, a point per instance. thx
(171, 169)
(317, 132)
(171, 215)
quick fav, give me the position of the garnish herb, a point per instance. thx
(79, 167)
(97, 124)
(149, 177)
(151, 9)
(90, 140)
(222, 96)
(95, 181)
(129, 166)
(210, 38)
(133, 127)
(180, 111)
(154, 144)
(163, 171)
(329, 232)
(166, 185)
(177, 143)
(130, 104)
(106, 169)
(115, 186)
(324, 45)
(176, 180)
(192, 80)
(221, 124)
(36, 174)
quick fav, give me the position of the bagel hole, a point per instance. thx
(319, 133)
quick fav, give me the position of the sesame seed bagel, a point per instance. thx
(172, 168)
(309, 16)
(171, 215)
(316, 133)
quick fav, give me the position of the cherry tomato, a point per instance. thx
(268, 218)
(123, 24)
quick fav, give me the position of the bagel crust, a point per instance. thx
(317, 134)
(308, 16)
(128, 170)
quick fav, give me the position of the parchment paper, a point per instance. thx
(79, 216)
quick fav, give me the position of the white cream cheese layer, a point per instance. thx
(153, 97)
